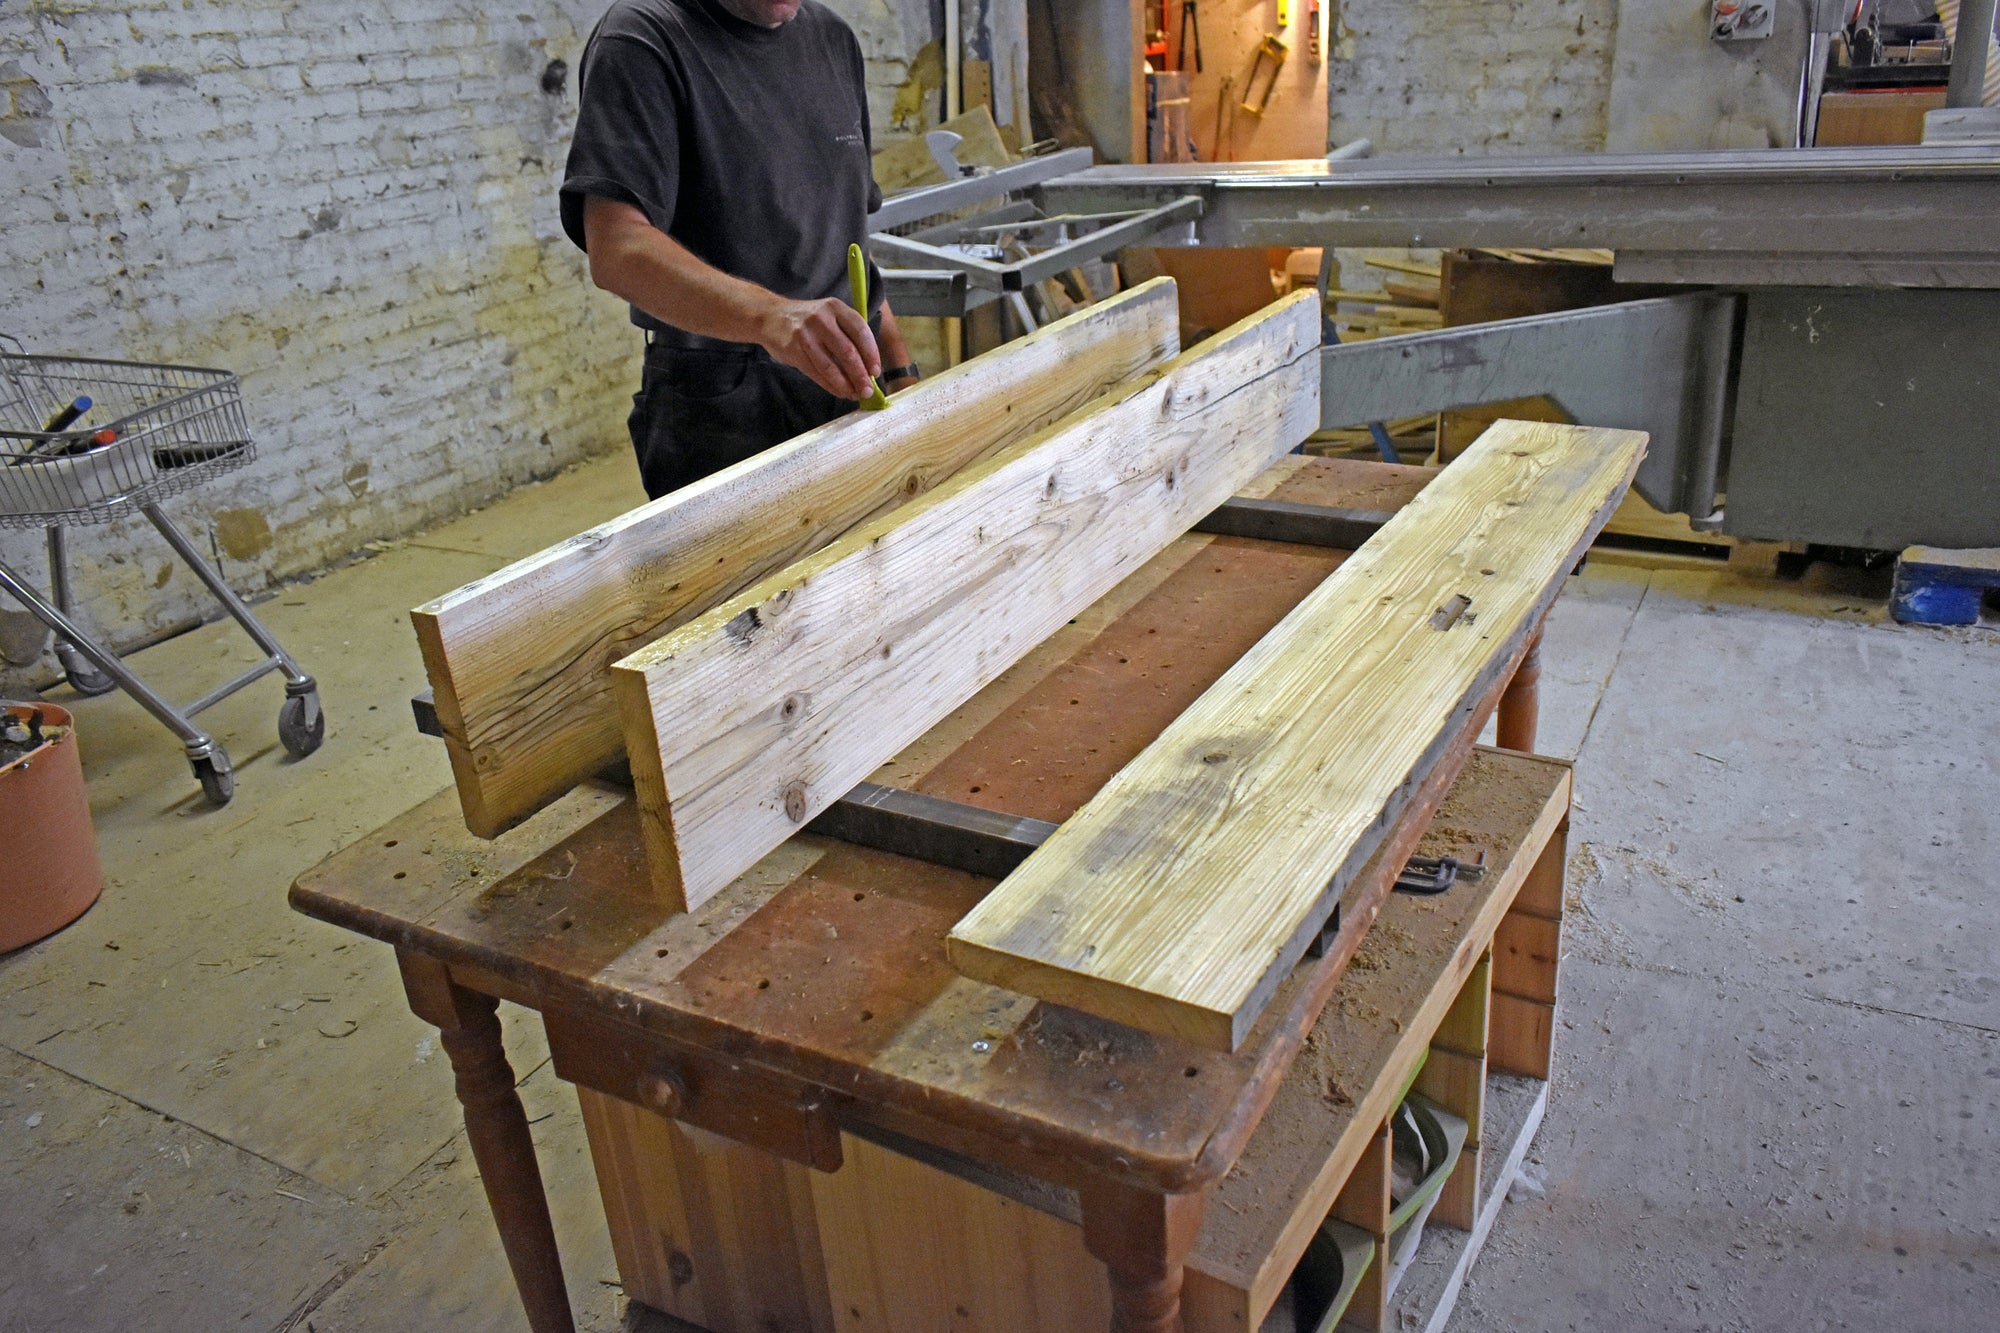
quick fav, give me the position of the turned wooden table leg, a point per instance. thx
(498, 1130)
(1143, 1239)
(1521, 704)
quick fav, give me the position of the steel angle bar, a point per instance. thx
(946, 233)
(930, 828)
(911, 291)
(908, 253)
(1097, 244)
(931, 200)
(1907, 201)
(1660, 366)
(1022, 274)
(1288, 521)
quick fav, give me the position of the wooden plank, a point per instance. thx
(1458, 1083)
(1526, 951)
(1180, 895)
(750, 720)
(1365, 1202)
(520, 660)
(1522, 1035)
(708, 1230)
(1391, 1002)
(911, 1249)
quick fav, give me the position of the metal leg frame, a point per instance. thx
(199, 745)
(297, 683)
(74, 664)
(300, 723)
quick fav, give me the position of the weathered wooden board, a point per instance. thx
(520, 660)
(1179, 896)
(748, 721)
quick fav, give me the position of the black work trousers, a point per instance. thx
(699, 411)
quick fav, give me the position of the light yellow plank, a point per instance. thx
(745, 723)
(520, 660)
(1182, 892)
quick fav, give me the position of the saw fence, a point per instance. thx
(1015, 775)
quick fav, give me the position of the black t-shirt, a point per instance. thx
(748, 145)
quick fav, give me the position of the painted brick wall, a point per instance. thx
(1472, 76)
(352, 207)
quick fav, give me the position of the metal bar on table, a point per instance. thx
(1659, 365)
(929, 201)
(930, 828)
(1288, 521)
(423, 706)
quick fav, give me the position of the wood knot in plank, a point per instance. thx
(1448, 615)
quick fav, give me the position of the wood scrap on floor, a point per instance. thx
(747, 722)
(520, 660)
(1180, 895)
(1399, 307)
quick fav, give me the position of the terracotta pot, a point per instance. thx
(49, 874)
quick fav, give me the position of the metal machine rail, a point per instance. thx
(1932, 214)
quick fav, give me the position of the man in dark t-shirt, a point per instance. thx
(719, 172)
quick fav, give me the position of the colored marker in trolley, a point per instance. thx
(67, 417)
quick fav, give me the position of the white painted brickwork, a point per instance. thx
(353, 207)
(1472, 76)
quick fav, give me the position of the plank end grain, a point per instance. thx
(1180, 895)
(519, 660)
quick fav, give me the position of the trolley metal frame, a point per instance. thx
(169, 429)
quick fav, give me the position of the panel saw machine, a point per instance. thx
(1826, 374)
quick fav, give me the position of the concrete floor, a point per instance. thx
(1775, 1096)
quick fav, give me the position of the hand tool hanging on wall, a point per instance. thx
(1190, 18)
(1272, 48)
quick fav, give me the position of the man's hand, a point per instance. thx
(828, 340)
(824, 339)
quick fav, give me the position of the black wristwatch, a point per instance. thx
(909, 372)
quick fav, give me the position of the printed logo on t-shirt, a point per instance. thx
(851, 139)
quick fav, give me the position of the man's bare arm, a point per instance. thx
(636, 261)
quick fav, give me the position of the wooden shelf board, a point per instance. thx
(1424, 1300)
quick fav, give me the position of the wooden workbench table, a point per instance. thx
(813, 994)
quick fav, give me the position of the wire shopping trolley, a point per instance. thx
(87, 441)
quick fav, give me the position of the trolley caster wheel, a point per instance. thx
(301, 724)
(218, 783)
(84, 678)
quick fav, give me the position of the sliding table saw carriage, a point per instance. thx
(1826, 378)
(1015, 774)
